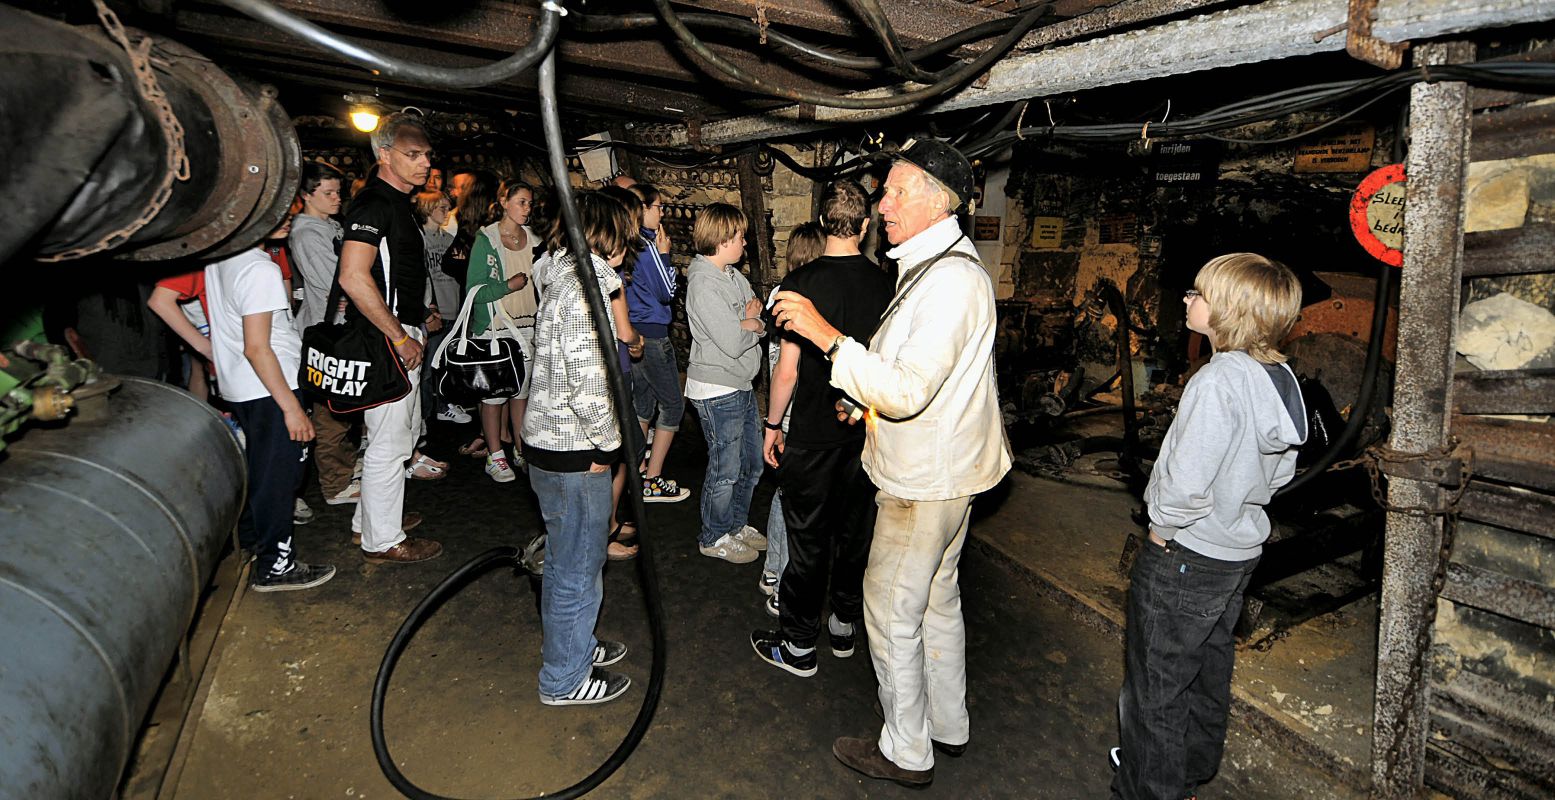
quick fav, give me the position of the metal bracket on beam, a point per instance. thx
(1446, 471)
(1362, 45)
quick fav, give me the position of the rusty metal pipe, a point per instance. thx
(91, 154)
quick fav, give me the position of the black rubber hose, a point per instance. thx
(1361, 410)
(959, 76)
(596, 23)
(631, 444)
(626, 416)
(421, 74)
(875, 19)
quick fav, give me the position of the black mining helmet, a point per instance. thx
(943, 163)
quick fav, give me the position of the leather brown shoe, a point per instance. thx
(410, 520)
(409, 551)
(952, 750)
(863, 756)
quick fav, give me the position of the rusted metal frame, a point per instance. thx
(1513, 391)
(1510, 597)
(758, 234)
(1428, 311)
(1362, 45)
(1520, 251)
(1259, 32)
(1510, 451)
(1511, 507)
(1522, 130)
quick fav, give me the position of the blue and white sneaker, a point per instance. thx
(773, 650)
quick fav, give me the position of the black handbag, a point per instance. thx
(349, 364)
(475, 368)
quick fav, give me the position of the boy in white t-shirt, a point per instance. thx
(257, 352)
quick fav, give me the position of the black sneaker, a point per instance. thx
(842, 645)
(300, 576)
(771, 605)
(1114, 758)
(773, 650)
(601, 686)
(607, 653)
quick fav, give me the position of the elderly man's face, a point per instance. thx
(409, 158)
(910, 204)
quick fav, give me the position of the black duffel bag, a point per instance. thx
(347, 362)
(475, 368)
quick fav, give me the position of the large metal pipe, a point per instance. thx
(111, 528)
(88, 152)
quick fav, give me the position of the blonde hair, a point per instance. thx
(715, 224)
(806, 243)
(1253, 303)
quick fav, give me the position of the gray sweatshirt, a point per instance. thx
(721, 351)
(1233, 443)
(315, 251)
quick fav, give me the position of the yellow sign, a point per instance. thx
(1047, 233)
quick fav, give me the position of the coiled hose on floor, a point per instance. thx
(509, 556)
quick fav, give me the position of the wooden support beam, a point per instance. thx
(1428, 311)
(1519, 251)
(1513, 391)
(1500, 594)
(1510, 507)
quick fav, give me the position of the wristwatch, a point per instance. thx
(836, 344)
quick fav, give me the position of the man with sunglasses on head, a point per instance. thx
(380, 226)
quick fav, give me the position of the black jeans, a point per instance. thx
(1182, 608)
(829, 509)
(276, 466)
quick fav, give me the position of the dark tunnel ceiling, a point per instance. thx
(639, 75)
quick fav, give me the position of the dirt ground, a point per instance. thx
(286, 714)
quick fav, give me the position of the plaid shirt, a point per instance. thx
(570, 406)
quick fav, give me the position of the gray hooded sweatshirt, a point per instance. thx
(315, 250)
(1233, 443)
(721, 351)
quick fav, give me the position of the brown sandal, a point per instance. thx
(475, 449)
(622, 548)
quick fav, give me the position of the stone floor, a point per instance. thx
(285, 713)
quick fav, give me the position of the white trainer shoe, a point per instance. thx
(752, 538)
(497, 467)
(729, 549)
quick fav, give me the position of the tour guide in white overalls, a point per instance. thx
(935, 439)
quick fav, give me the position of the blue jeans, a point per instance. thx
(1178, 653)
(734, 465)
(656, 380)
(576, 510)
(777, 538)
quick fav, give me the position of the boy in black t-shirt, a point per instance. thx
(826, 495)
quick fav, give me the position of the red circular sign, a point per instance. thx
(1377, 214)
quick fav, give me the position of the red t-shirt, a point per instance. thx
(190, 286)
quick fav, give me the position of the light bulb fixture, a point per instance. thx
(364, 112)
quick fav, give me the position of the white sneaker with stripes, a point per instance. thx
(601, 686)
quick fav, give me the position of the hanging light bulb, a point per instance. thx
(364, 119)
(364, 112)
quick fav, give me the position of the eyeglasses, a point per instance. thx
(414, 155)
(1190, 295)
